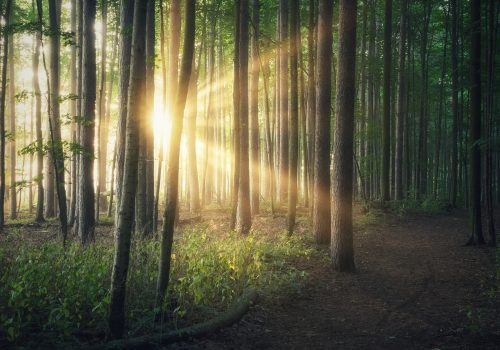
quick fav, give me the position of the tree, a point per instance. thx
(475, 126)
(386, 129)
(167, 233)
(86, 210)
(6, 35)
(38, 127)
(401, 103)
(12, 145)
(321, 204)
(342, 249)
(311, 95)
(283, 99)
(454, 102)
(244, 212)
(136, 109)
(294, 115)
(254, 110)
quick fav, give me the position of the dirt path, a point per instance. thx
(414, 286)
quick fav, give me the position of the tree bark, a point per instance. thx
(293, 152)
(135, 109)
(475, 126)
(342, 249)
(86, 211)
(386, 128)
(254, 111)
(38, 127)
(173, 159)
(321, 204)
(283, 99)
(12, 143)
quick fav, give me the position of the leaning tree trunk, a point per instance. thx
(136, 109)
(342, 249)
(321, 173)
(173, 159)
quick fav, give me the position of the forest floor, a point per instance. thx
(416, 287)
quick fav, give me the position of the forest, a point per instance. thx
(249, 174)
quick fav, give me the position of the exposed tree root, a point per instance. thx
(232, 315)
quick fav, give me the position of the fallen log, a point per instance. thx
(235, 312)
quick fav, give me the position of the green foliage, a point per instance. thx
(428, 205)
(47, 289)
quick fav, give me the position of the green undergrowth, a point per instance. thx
(427, 206)
(49, 290)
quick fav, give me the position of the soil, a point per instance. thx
(416, 287)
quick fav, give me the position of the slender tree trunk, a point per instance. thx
(283, 100)
(254, 110)
(386, 128)
(73, 114)
(236, 116)
(244, 221)
(191, 112)
(101, 200)
(174, 150)
(400, 117)
(126, 20)
(454, 102)
(38, 127)
(342, 249)
(6, 37)
(311, 96)
(135, 109)
(293, 152)
(86, 211)
(12, 143)
(321, 205)
(475, 126)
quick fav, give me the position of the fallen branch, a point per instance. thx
(232, 315)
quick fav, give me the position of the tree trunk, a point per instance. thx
(475, 126)
(321, 204)
(311, 96)
(454, 103)
(8, 18)
(126, 20)
(254, 111)
(12, 144)
(173, 159)
(342, 249)
(191, 112)
(86, 211)
(401, 112)
(38, 127)
(135, 109)
(73, 115)
(293, 152)
(283, 100)
(386, 128)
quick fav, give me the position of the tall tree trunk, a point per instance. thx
(236, 116)
(254, 110)
(321, 204)
(12, 144)
(283, 99)
(191, 112)
(401, 112)
(101, 200)
(386, 128)
(244, 215)
(475, 126)
(293, 153)
(311, 95)
(38, 127)
(73, 114)
(6, 37)
(454, 102)
(342, 249)
(126, 20)
(86, 211)
(57, 152)
(492, 25)
(136, 109)
(174, 150)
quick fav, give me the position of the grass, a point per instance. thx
(45, 289)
